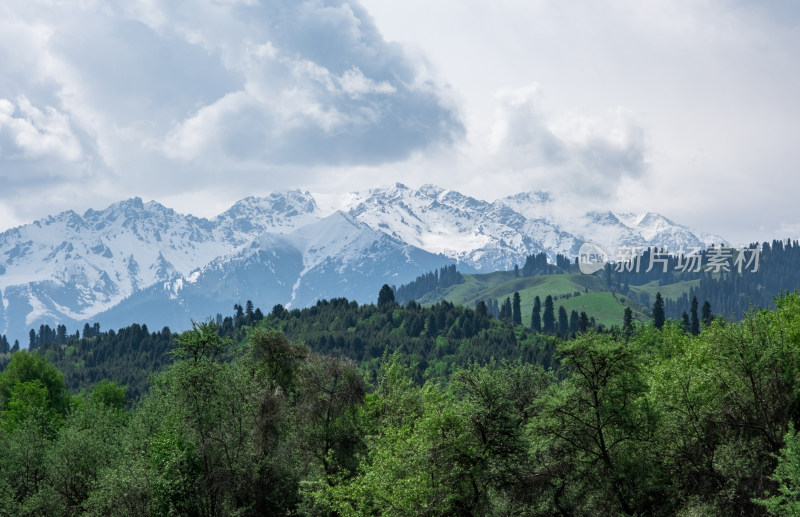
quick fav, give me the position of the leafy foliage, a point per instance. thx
(636, 421)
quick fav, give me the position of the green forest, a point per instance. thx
(456, 412)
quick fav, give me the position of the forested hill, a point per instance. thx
(645, 421)
(730, 280)
(437, 339)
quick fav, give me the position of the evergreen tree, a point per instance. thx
(505, 310)
(627, 321)
(536, 315)
(516, 313)
(61, 334)
(685, 324)
(563, 322)
(583, 322)
(695, 320)
(658, 312)
(481, 310)
(706, 313)
(385, 297)
(549, 317)
(574, 323)
(516, 271)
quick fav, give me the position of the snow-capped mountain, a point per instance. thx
(479, 235)
(614, 229)
(143, 262)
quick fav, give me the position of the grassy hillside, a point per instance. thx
(671, 291)
(574, 291)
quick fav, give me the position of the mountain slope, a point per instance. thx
(334, 257)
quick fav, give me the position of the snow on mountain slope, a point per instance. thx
(279, 212)
(334, 257)
(105, 255)
(480, 235)
(531, 205)
(343, 257)
(612, 229)
(69, 267)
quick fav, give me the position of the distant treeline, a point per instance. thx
(728, 290)
(428, 283)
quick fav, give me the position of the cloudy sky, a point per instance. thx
(689, 108)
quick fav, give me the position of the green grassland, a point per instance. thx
(574, 291)
(671, 291)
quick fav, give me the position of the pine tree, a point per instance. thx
(695, 320)
(706, 313)
(583, 322)
(685, 324)
(516, 312)
(658, 312)
(563, 322)
(505, 310)
(574, 324)
(627, 321)
(536, 315)
(549, 317)
(61, 334)
(385, 297)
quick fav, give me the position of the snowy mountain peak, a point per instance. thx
(532, 205)
(279, 212)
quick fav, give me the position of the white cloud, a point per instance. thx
(354, 83)
(565, 151)
(683, 107)
(38, 133)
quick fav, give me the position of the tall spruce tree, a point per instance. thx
(536, 315)
(505, 309)
(706, 314)
(658, 312)
(549, 317)
(627, 322)
(516, 313)
(583, 322)
(695, 320)
(385, 297)
(563, 322)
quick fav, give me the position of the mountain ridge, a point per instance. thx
(69, 268)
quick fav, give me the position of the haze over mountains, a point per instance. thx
(143, 262)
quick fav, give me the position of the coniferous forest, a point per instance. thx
(300, 412)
